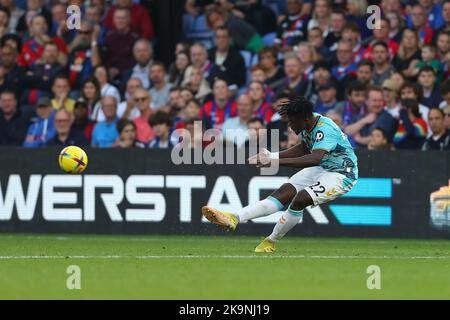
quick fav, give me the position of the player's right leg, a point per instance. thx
(274, 203)
(290, 218)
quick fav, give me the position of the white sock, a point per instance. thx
(288, 220)
(261, 208)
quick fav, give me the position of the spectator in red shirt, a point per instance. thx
(119, 44)
(382, 35)
(141, 22)
(144, 131)
(81, 122)
(259, 75)
(352, 35)
(261, 109)
(215, 112)
(32, 49)
(420, 23)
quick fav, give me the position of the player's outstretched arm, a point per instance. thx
(264, 157)
(295, 151)
(309, 160)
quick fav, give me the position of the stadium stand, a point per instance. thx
(43, 59)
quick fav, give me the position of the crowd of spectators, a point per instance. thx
(101, 85)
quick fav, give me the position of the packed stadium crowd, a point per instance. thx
(385, 82)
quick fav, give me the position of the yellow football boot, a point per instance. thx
(227, 220)
(266, 246)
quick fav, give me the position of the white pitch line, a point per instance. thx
(115, 257)
(159, 238)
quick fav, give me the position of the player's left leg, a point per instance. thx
(274, 203)
(277, 201)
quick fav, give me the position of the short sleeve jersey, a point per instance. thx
(326, 135)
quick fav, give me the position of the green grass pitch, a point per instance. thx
(225, 267)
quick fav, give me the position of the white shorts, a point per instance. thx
(321, 185)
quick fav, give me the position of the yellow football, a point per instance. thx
(73, 159)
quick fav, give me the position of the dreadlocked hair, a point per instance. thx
(298, 107)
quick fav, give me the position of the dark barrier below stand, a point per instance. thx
(142, 192)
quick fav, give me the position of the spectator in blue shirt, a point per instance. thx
(345, 67)
(431, 96)
(316, 39)
(354, 106)
(327, 99)
(433, 13)
(105, 132)
(43, 129)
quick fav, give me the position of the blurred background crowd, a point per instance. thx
(135, 71)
